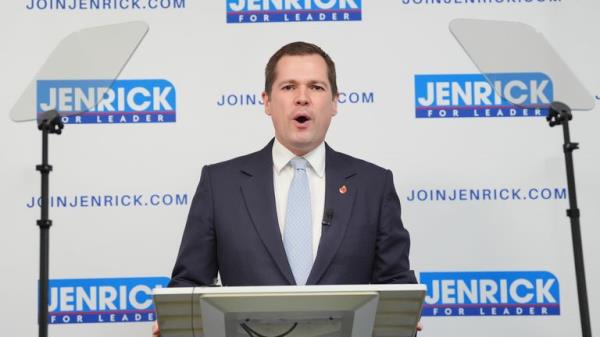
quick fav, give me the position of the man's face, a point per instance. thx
(301, 103)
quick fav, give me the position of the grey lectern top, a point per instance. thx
(307, 311)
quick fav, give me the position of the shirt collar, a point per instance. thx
(315, 158)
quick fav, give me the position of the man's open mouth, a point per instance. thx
(302, 119)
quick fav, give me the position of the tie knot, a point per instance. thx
(299, 163)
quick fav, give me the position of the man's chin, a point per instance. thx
(301, 148)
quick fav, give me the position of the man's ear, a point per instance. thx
(266, 102)
(335, 104)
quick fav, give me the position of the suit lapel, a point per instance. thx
(259, 195)
(339, 196)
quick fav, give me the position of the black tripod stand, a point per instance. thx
(560, 114)
(48, 122)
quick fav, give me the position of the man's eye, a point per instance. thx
(287, 87)
(318, 87)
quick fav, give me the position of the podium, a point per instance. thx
(309, 311)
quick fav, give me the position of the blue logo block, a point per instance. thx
(103, 101)
(471, 95)
(253, 11)
(510, 293)
(103, 300)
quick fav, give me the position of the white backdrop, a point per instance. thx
(104, 256)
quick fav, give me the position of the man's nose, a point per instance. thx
(302, 96)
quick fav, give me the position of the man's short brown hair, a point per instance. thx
(299, 49)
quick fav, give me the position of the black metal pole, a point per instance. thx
(560, 114)
(49, 123)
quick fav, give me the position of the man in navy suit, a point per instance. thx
(237, 218)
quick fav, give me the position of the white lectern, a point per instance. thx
(292, 311)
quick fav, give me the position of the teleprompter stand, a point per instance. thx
(50, 122)
(531, 52)
(560, 114)
(98, 54)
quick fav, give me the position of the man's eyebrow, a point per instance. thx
(325, 83)
(291, 80)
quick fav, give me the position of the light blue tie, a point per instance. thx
(297, 235)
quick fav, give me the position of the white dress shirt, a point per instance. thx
(283, 173)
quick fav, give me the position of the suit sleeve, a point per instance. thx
(393, 241)
(196, 263)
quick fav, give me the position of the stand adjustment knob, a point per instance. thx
(44, 223)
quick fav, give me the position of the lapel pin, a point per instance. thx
(343, 189)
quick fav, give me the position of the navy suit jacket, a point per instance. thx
(232, 227)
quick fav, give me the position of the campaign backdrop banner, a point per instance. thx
(480, 174)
